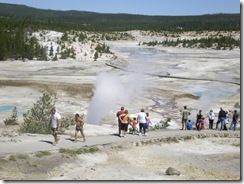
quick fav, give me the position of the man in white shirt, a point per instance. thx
(211, 119)
(55, 124)
(141, 119)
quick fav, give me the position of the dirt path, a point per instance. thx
(209, 155)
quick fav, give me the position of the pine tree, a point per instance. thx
(13, 120)
(37, 119)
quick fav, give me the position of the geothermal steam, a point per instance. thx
(110, 90)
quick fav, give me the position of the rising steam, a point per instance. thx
(109, 90)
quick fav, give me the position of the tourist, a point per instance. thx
(55, 124)
(189, 125)
(203, 123)
(211, 119)
(134, 123)
(217, 124)
(148, 121)
(125, 120)
(118, 114)
(226, 117)
(222, 116)
(199, 118)
(234, 120)
(79, 127)
(185, 114)
(141, 119)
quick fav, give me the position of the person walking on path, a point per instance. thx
(79, 127)
(222, 116)
(55, 124)
(234, 120)
(185, 114)
(125, 120)
(118, 114)
(141, 119)
(211, 119)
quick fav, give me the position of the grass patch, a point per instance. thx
(42, 153)
(236, 144)
(12, 158)
(23, 156)
(147, 142)
(172, 139)
(226, 135)
(119, 146)
(78, 151)
(187, 137)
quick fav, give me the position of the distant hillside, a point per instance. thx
(117, 22)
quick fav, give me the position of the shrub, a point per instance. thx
(13, 120)
(37, 120)
(65, 123)
(165, 123)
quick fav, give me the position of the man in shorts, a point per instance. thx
(79, 127)
(55, 124)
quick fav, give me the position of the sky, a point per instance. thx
(142, 7)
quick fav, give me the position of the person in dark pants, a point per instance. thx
(222, 116)
(199, 118)
(211, 119)
(234, 120)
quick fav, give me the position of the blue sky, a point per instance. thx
(144, 7)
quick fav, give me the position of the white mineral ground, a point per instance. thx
(74, 82)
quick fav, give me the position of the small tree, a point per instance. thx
(165, 123)
(37, 119)
(13, 120)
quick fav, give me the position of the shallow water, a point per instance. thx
(6, 108)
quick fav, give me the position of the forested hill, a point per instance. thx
(54, 19)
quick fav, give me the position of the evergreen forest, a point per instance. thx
(17, 21)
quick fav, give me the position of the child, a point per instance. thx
(189, 125)
(134, 123)
(203, 123)
(147, 123)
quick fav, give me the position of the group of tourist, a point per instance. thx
(223, 118)
(55, 125)
(142, 119)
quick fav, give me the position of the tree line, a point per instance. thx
(16, 44)
(17, 22)
(223, 42)
(118, 22)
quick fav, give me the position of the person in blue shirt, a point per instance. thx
(189, 125)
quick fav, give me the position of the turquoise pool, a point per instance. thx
(6, 108)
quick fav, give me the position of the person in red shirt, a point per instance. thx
(118, 114)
